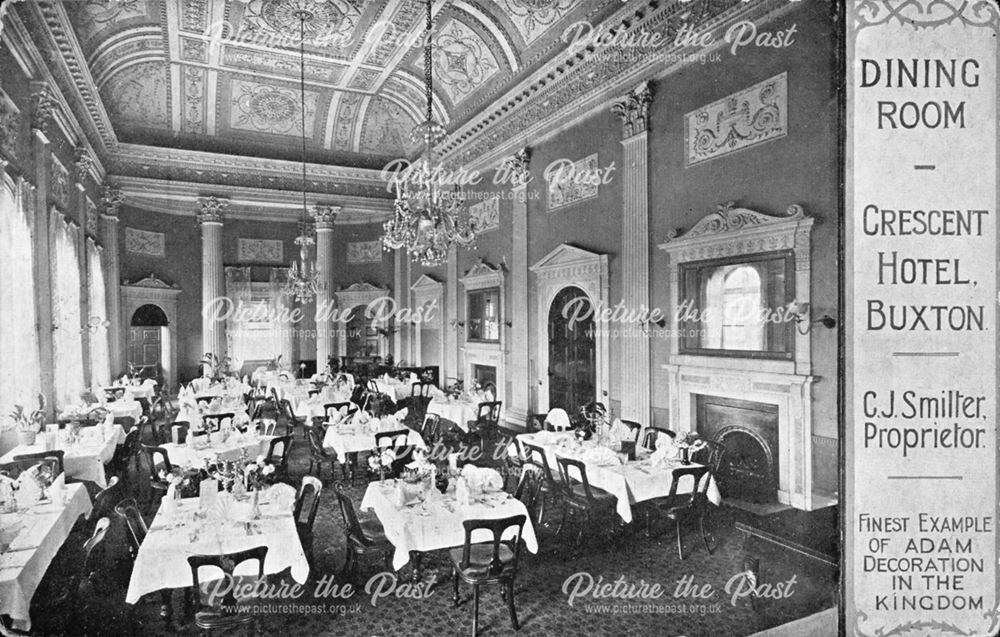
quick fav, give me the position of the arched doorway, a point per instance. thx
(148, 339)
(572, 352)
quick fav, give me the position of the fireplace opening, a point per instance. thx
(749, 433)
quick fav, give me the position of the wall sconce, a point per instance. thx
(456, 324)
(800, 312)
(508, 323)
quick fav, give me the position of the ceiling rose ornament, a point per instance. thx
(427, 214)
(320, 22)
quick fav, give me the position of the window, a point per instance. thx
(483, 315)
(67, 336)
(100, 366)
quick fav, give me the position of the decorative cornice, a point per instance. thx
(482, 275)
(210, 209)
(633, 109)
(729, 218)
(111, 199)
(43, 105)
(516, 167)
(325, 215)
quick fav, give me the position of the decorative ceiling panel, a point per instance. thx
(462, 60)
(138, 96)
(387, 128)
(267, 108)
(534, 17)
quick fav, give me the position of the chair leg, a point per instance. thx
(454, 578)
(541, 510)
(562, 522)
(475, 610)
(579, 533)
(348, 570)
(704, 538)
(680, 546)
(510, 605)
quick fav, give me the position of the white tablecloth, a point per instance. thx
(125, 408)
(193, 416)
(312, 407)
(345, 439)
(630, 482)
(83, 460)
(457, 411)
(397, 390)
(45, 528)
(194, 455)
(173, 536)
(133, 392)
(437, 523)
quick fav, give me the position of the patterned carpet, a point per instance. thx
(609, 551)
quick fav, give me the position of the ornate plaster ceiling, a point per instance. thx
(223, 75)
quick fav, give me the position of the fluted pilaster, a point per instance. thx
(520, 386)
(213, 276)
(110, 203)
(324, 216)
(633, 110)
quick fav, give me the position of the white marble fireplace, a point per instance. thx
(785, 383)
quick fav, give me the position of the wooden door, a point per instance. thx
(144, 348)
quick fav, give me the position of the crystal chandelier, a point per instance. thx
(426, 218)
(304, 276)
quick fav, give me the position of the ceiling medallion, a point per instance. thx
(321, 22)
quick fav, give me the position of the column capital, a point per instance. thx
(516, 166)
(325, 215)
(83, 162)
(9, 128)
(210, 209)
(43, 105)
(110, 201)
(633, 109)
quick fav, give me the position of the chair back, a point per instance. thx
(347, 512)
(226, 563)
(699, 489)
(577, 466)
(529, 485)
(278, 451)
(332, 408)
(497, 528)
(54, 458)
(107, 498)
(535, 455)
(127, 422)
(129, 511)
(255, 407)
(126, 451)
(710, 455)
(634, 427)
(151, 454)
(372, 386)
(488, 414)
(394, 439)
(653, 433)
(312, 391)
(100, 530)
(429, 429)
(307, 502)
(182, 434)
(215, 422)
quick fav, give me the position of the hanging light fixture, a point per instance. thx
(427, 214)
(304, 276)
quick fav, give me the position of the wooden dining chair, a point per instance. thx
(487, 421)
(215, 422)
(128, 511)
(317, 454)
(711, 455)
(278, 452)
(634, 427)
(581, 496)
(157, 486)
(304, 513)
(552, 486)
(492, 562)
(107, 498)
(330, 409)
(362, 537)
(399, 442)
(429, 428)
(221, 616)
(653, 433)
(679, 507)
(529, 488)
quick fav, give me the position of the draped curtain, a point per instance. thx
(66, 336)
(20, 373)
(100, 365)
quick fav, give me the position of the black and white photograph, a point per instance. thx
(379, 318)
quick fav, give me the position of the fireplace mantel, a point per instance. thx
(732, 232)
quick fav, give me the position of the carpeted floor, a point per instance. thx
(609, 551)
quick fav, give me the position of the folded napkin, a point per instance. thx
(482, 479)
(549, 437)
(620, 431)
(601, 456)
(666, 450)
(558, 418)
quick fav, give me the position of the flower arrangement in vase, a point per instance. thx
(689, 443)
(380, 461)
(28, 424)
(592, 415)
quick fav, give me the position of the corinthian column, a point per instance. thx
(324, 217)
(110, 202)
(213, 276)
(43, 107)
(516, 166)
(82, 163)
(633, 110)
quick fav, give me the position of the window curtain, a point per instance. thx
(67, 337)
(20, 371)
(100, 365)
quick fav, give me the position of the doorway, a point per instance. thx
(148, 337)
(572, 368)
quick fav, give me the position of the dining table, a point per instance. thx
(356, 437)
(435, 522)
(460, 411)
(83, 458)
(629, 481)
(196, 450)
(226, 525)
(394, 388)
(33, 537)
(313, 406)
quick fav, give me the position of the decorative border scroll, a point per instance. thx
(260, 251)
(58, 183)
(364, 252)
(150, 244)
(744, 119)
(926, 14)
(565, 192)
(485, 215)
